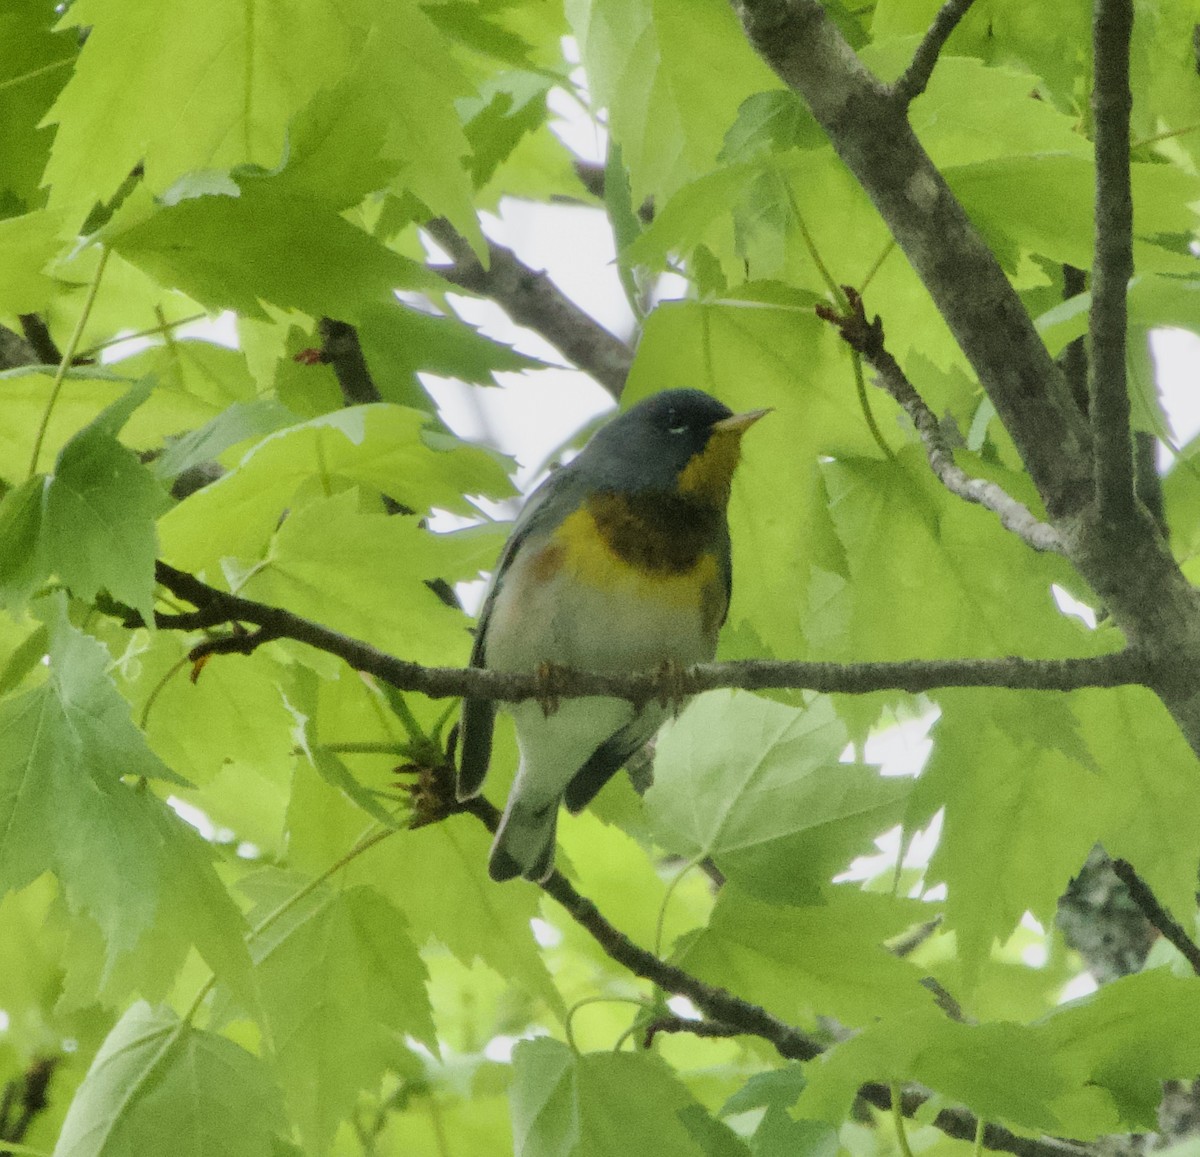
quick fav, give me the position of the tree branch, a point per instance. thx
(867, 338)
(916, 76)
(532, 299)
(37, 334)
(1156, 914)
(1112, 29)
(915, 675)
(870, 132)
(340, 349)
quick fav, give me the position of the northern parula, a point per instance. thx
(619, 562)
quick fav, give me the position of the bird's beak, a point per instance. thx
(739, 423)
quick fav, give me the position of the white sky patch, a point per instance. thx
(1176, 355)
(545, 934)
(1082, 985)
(682, 1007)
(1070, 605)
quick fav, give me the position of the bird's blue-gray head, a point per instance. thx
(679, 441)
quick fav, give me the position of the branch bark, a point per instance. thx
(1128, 563)
(215, 607)
(916, 76)
(870, 132)
(867, 338)
(1112, 30)
(531, 299)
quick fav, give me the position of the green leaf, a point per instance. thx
(365, 575)
(654, 66)
(779, 1087)
(121, 856)
(566, 1105)
(83, 395)
(437, 876)
(1002, 1072)
(1154, 777)
(231, 250)
(770, 122)
(507, 109)
(181, 89)
(98, 513)
(1007, 766)
(1128, 1037)
(236, 424)
(157, 1080)
(340, 982)
(805, 962)
(1044, 204)
(34, 65)
(941, 552)
(380, 446)
(28, 243)
(761, 788)
(398, 342)
(23, 563)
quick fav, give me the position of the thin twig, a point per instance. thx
(916, 76)
(1112, 29)
(214, 606)
(1166, 924)
(532, 299)
(867, 338)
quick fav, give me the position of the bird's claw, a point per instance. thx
(673, 685)
(549, 677)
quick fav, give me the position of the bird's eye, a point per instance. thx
(676, 429)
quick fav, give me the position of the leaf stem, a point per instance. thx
(898, 1121)
(662, 908)
(568, 1031)
(165, 328)
(67, 359)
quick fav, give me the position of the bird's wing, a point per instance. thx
(542, 507)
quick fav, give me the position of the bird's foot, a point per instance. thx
(549, 678)
(672, 685)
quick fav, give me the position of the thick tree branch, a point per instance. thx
(916, 675)
(1127, 563)
(1112, 29)
(867, 338)
(916, 76)
(870, 132)
(532, 299)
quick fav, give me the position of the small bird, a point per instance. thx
(619, 562)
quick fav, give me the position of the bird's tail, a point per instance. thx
(524, 843)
